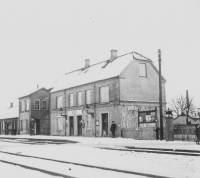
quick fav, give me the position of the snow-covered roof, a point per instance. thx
(9, 112)
(96, 72)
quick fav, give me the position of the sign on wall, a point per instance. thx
(147, 118)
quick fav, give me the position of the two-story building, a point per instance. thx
(124, 89)
(34, 113)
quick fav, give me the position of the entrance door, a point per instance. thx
(35, 127)
(71, 125)
(104, 129)
(79, 125)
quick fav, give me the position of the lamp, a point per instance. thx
(169, 113)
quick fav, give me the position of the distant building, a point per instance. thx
(182, 120)
(34, 113)
(124, 89)
(183, 130)
(8, 120)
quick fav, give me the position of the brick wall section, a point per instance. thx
(42, 115)
(113, 84)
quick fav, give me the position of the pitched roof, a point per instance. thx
(9, 112)
(99, 71)
(34, 91)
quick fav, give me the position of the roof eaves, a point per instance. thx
(48, 90)
(84, 84)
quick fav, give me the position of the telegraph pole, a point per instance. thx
(160, 95)
(187, 106)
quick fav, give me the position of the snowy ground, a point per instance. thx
(86, 152)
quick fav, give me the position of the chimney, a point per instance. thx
(113, 54)
(11, 105)
(87, 63)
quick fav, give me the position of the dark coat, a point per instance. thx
(113, 127)
(198, 132)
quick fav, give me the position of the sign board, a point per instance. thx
(147, 118)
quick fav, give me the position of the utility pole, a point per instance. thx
(187, 106)
(160, 95)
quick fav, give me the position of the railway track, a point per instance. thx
(157, 150)
(66, 168)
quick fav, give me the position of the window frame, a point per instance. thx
(144, 64)
(35, 104)
(57, 97)
(86, 95)
(100, 95)
(27, 105)
(81, 97)
(46, 108)
(71, 104)
(23, 106)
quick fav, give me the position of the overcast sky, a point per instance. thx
(42, 39)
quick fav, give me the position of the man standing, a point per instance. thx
(113, 128)
(157, 130)
(197, 134)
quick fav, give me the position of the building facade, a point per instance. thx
(8, 120)
(124, 89)
(34, 113)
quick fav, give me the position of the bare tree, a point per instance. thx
(181, 105)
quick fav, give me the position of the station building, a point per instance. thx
(123, 88)
(34, 116)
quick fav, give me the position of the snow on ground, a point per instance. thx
(119, 142)
(87, 153)
(9, 171)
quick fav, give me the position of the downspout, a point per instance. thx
(65, 112)
(95, 134)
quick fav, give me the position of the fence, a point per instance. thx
(187, 133)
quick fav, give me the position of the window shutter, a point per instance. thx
(67, 100)
(92, 96)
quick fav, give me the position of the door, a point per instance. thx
(104, 118)
(71, 125)
(79, 125)
(35, 127)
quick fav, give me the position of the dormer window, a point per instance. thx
(142, 70)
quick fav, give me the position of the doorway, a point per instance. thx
(35, 127)
(71, 125)
(79, 125)
(104, 129)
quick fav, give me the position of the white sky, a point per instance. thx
(42, 39)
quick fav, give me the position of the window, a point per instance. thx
(71, 99)
(80, 102)
(37, 104)
(27, 105)
(104, 94)
(88, 97)
(59, 102)
(44, 105)
(143, 70)
(23, 106)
